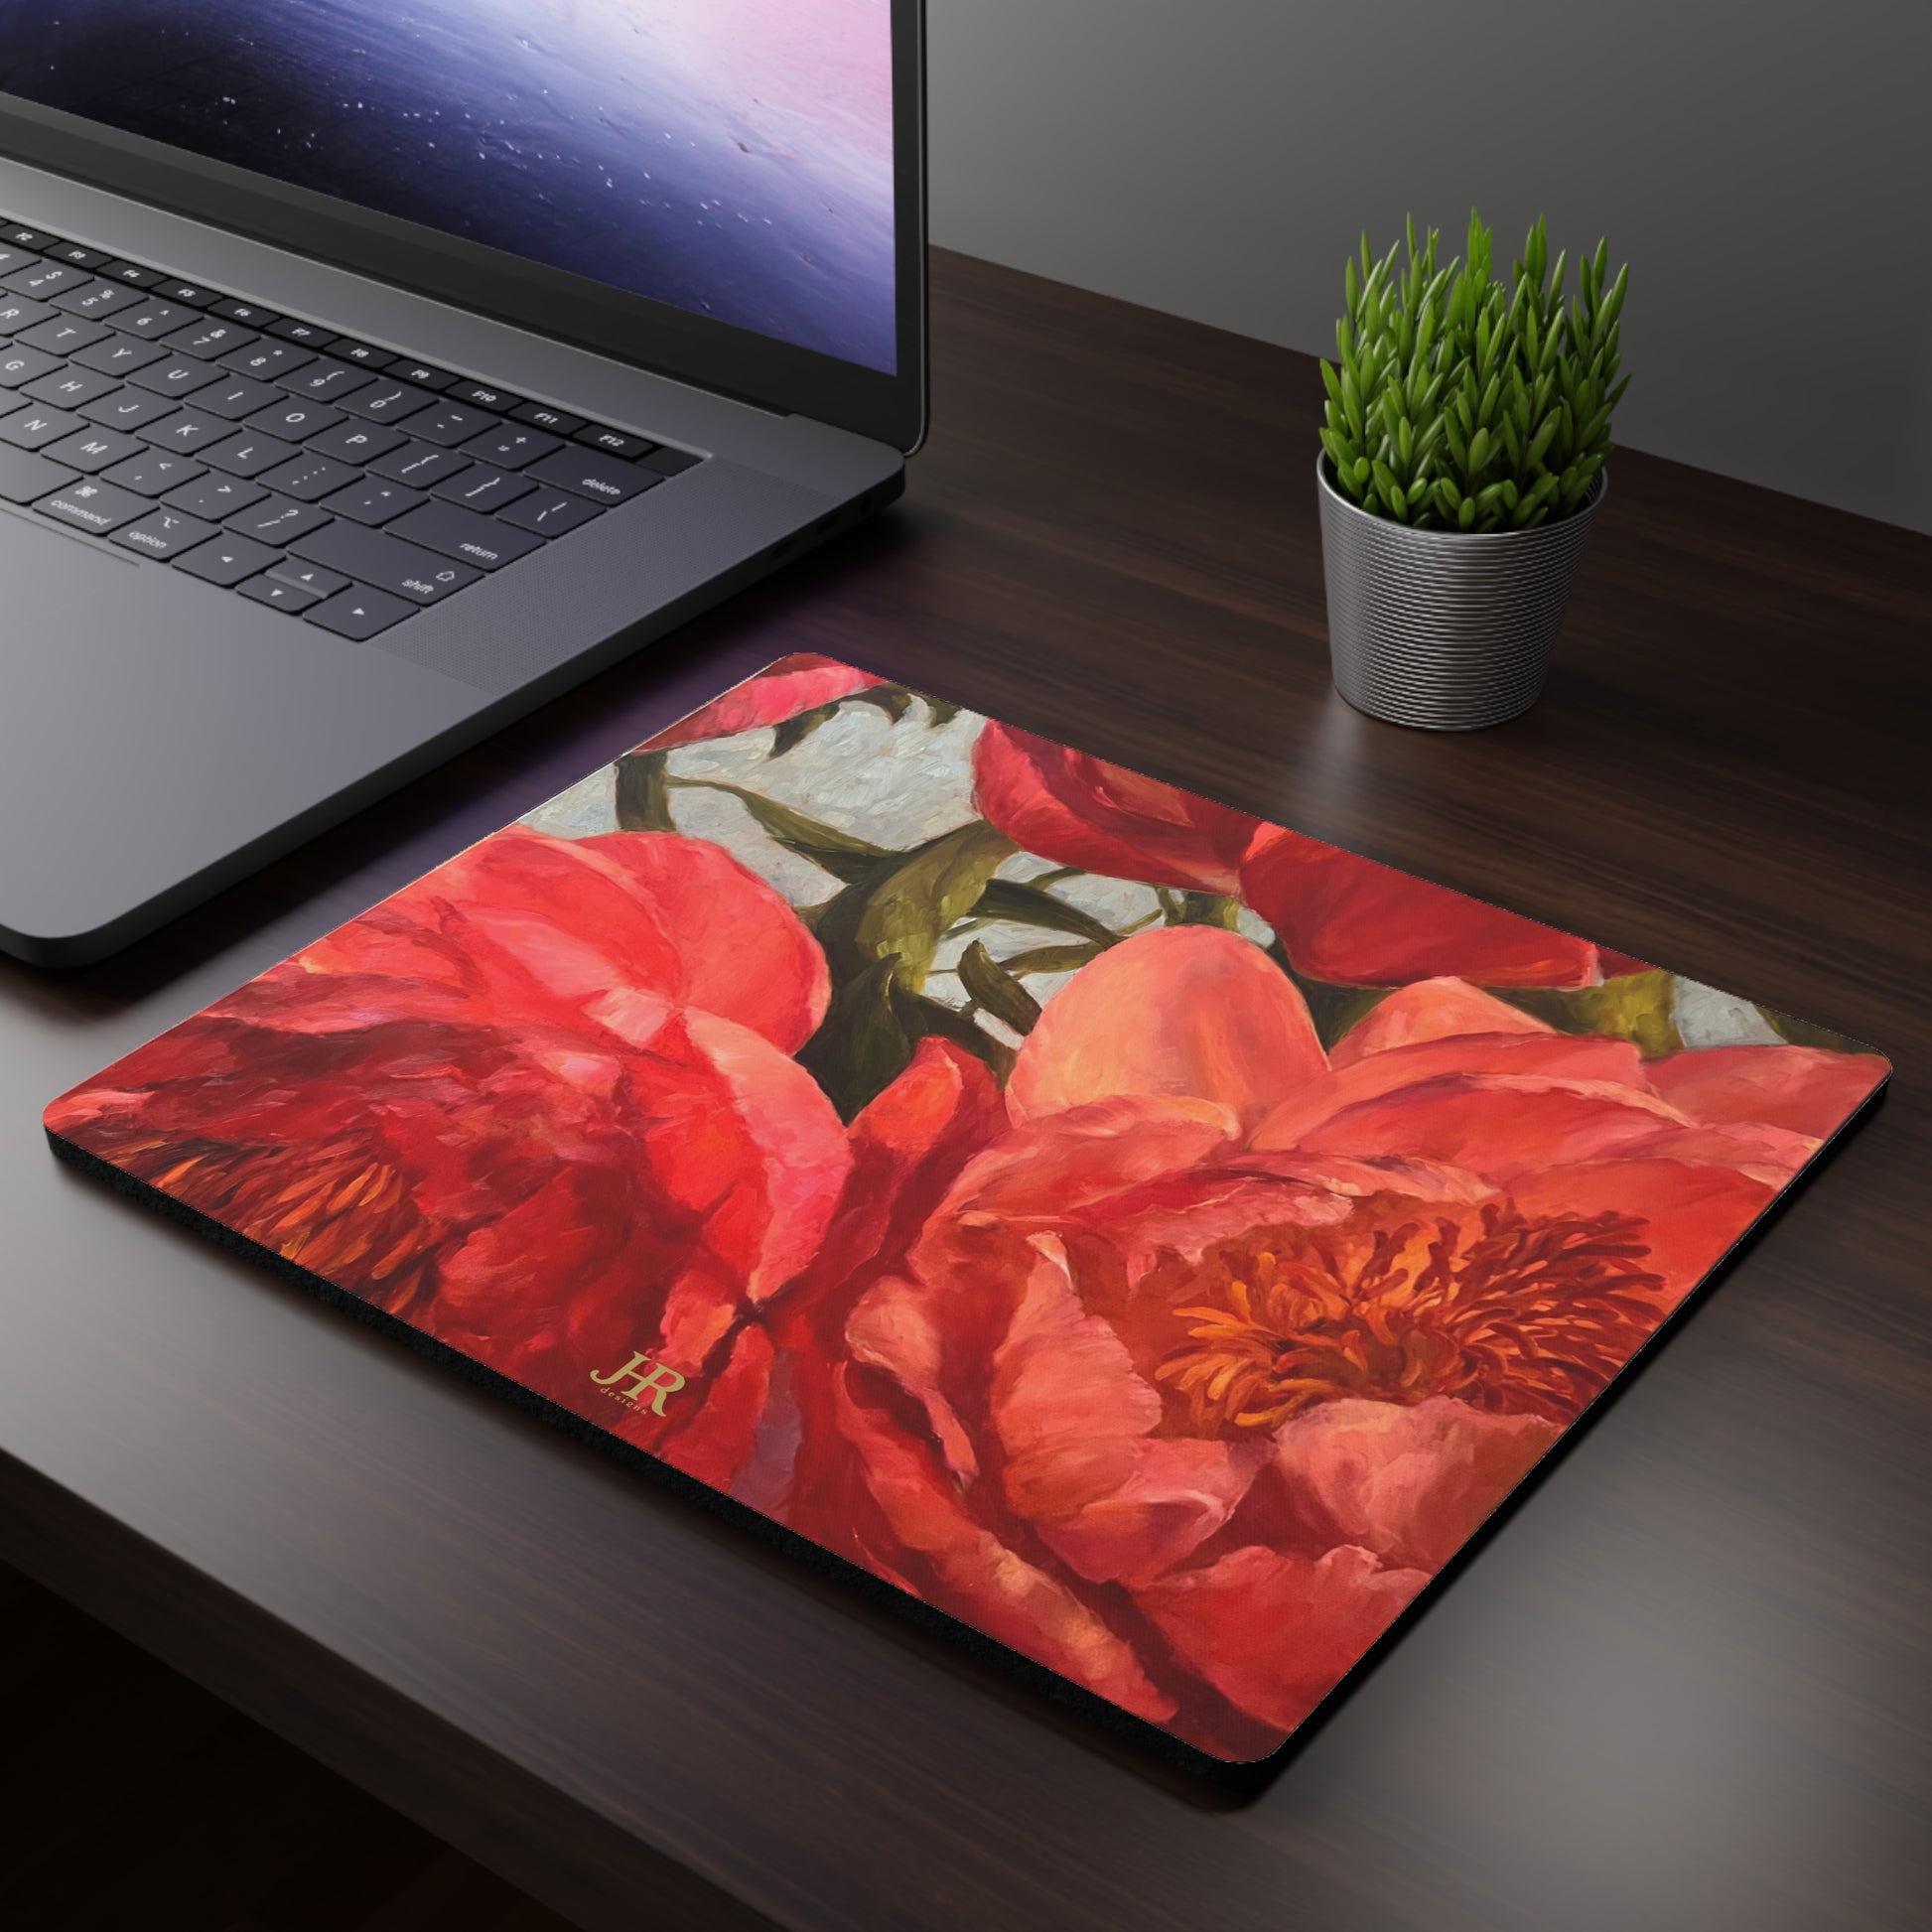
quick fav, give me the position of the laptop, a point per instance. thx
(370, 375)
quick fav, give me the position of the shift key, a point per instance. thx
(386, 562)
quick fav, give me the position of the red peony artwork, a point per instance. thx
(1150, 1236)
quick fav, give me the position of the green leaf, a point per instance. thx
(1049, 959)
(848, 859)
(995, 989)
(862, 1045)
(894, 700)
(1332, 381)
(910, 908)
(1637, 1006)
(938, 711)
(643, 800)
(1209, 908)
(1019, 903)
(1806, 1032)
(794, 731)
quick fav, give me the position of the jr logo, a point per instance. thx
(649, 1385)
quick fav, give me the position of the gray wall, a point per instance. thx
(1766, 167)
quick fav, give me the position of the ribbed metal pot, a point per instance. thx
(1440, 629)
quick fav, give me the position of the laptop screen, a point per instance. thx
(731, 157)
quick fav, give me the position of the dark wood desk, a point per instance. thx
(1683, 1687)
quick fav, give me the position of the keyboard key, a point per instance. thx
(484, 397)
(23, 476)
(357, 442)
(424, 375)
(17, 312)
(364, 355)
(130, 409)
(358, 614)
(45, 280)
(311, 577)
(23, 365)
(28, 238)
(461, 533)
(225, 559)
(309, 334)
(298, 420)
(247, 453)
(549, 513)
(98, 299)
(420, 465)
(668, 462)
(248, 311)
(591, 474)
(13, 261)
(266, 359)
(68, 388)
(118, 354)
(386, 562)
(388, 401)
(132, 273)
(152, 320)
(214, 496)
(175, 375)
(279, 596)
(311, 478)
(78, 254)
(164, 533)
(615, 442)
(371, 500)
(96, 508)
(275, 519)
(480, 489)
(186, 293)
(93, 448)
(539, 415)
(209, 339)
(449, 425)
(155, 470)
(28, 429)
(63, 335)
(181, 431)
(238, 396)
(327, 380)
(510, 446)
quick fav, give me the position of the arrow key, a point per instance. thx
(308, 577)
(358, 614)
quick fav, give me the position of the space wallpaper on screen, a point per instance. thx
(731, 157)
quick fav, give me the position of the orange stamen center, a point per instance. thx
(1508, 1313)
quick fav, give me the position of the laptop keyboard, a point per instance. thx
(303, 469)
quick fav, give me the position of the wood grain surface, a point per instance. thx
(1682, 1686)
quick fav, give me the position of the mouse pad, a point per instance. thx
(1148, 1237)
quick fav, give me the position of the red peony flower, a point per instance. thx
(1355, 922)
(801, 683)
(1080, 811)
(1185, 1378)
(539, 1104)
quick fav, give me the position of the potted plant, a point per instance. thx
(1462, 464)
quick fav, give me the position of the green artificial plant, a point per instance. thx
(1462, 402)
